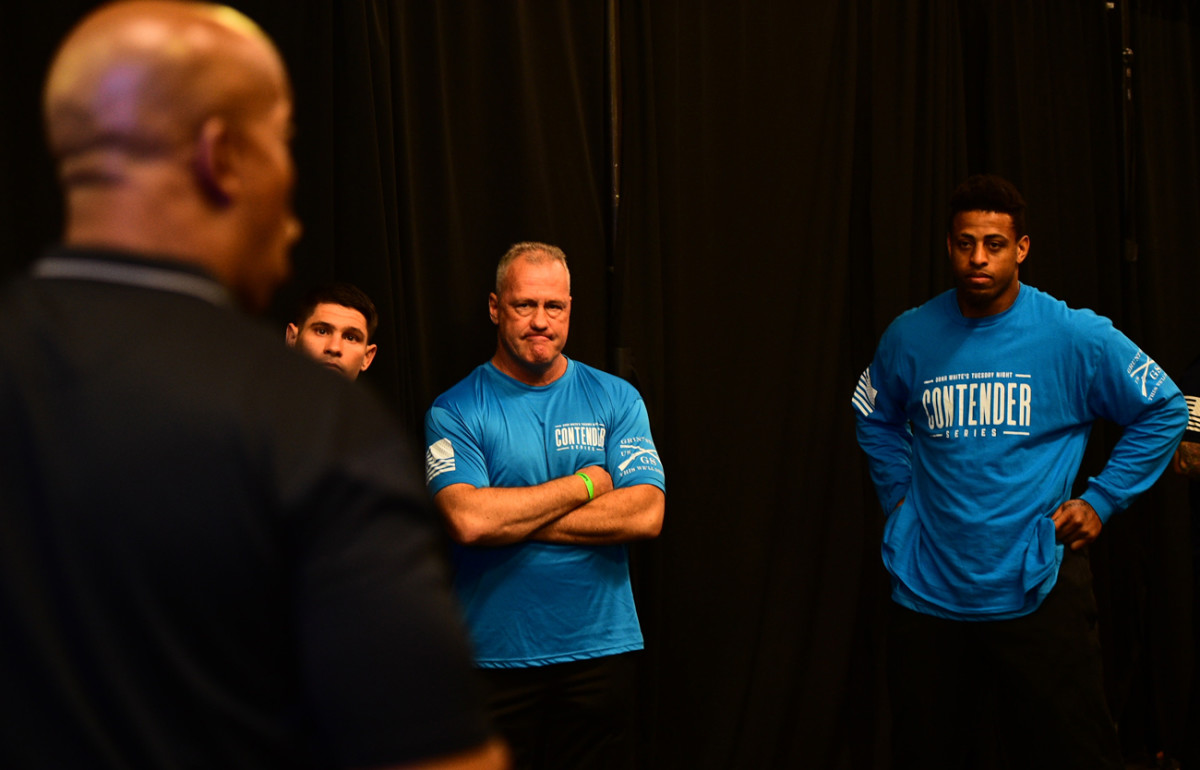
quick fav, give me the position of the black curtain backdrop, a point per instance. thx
(783, 170)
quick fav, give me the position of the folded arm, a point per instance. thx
(618, 516)
(491, 516)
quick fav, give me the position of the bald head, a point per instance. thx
(167, 121)
(139, 78)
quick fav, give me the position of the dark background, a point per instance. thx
(783, 170)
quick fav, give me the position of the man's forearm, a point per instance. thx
(1138, 458)
(888, 446)
(492, 516)
(620, 516)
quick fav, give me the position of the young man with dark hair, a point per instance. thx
(974, 415)
(334, 326)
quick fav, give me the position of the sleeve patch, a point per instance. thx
(864, 394)
(439, 458)
(1146, 374)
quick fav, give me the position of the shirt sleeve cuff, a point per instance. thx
(1101, 504)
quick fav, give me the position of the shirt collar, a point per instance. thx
(129, 270)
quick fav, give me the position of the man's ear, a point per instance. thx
(368, 358)
(494, 307)
(212, 161)
(291, 334)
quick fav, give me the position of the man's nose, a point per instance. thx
(540, 317)
(979, 254)
(334, 345)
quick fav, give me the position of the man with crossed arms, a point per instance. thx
(544, 468)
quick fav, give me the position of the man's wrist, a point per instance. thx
(591, 488)
(1103, 509)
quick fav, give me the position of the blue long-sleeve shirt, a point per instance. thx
(979, 425)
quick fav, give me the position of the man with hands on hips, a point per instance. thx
(974, 415)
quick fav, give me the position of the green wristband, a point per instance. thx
(586, 480)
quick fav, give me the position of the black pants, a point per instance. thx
(1013, 694)
(566, 716)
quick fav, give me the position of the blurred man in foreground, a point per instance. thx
(189, 574)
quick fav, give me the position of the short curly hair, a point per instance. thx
(988, 192)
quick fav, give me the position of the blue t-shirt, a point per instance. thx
(979, 426)
(532, 603)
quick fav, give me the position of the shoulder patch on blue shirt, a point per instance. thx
(439, 458)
